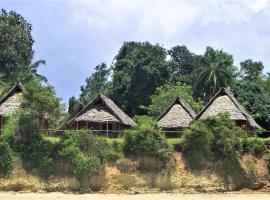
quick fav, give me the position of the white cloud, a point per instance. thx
(160, 19)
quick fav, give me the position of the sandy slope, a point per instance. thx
(57, 196)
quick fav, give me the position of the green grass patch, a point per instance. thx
(52, 139)
(111, 140)
(173, 141)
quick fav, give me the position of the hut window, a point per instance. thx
(110, 126)
(104, 127)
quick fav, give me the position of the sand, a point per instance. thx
(161, 196)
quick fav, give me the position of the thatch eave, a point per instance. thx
(178, 119)
(223, 91)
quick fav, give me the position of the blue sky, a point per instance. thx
(75, 36)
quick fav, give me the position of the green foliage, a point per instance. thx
(183, 63)
(197, 143)
(85, 152)
(138, 69)
(254, 145)
(167, 93)
(73, 104)
(40, 100)
(17, 50)
(212, 139)
(85, 165)
(251, 70)
(5, 158)
(146, 140)
(216, 70)
(34, 151)
(11, 126)
(255, 99)
(96, 84)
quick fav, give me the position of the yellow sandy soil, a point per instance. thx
(161, 196)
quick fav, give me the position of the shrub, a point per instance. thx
(85, 165)
(10, 127)
(126, 165)
(214, 138)
(146, 140)
(5, 158)
(197, 144)
(86, 153)
(253, 145)
(34, 151)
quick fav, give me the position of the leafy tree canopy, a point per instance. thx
(183, 63)
(15, 43)
(40, 101)
(97, 83)
(138, 69)
(251, 69)
(254, 98)
(166, 94)
(73, 104)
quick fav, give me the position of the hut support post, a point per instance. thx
(77, 125)
(107, 127)
(86, 125)
(1, 124)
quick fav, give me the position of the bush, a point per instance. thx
(212, 139)
(34, 151)
(126, 165)
(146, 140)
(86, 153)
(197, 144)
(85, 165)
(5, 158)
(254, 145)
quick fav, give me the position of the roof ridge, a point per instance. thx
(184, 105)
(234, 101)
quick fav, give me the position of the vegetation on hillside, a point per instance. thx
(143, 80)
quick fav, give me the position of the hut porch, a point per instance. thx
(110, 129)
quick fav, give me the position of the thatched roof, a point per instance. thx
(101, 109)
(178, 115)
(223, 101)
(11, 101)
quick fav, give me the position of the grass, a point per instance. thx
(173, 141)
(56, 139)
(52, 139)
(111, 140)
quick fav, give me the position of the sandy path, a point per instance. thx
(57, 196)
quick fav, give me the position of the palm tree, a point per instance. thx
(25, 73)
(216, 71)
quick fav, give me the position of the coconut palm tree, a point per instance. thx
(216, 71)
(26, 73)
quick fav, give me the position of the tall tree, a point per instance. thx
(73, 104)
(216, 70)
(183, 63)
(97, 83)
(138, 69)
(40, 100)
(15, 43)
(166, 94)
(251, 70)
(255, 99)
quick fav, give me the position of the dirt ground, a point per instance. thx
(160, 196)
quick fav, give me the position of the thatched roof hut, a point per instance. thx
(11, 101)
(177, 116)
(101, 110)
(223, 101)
